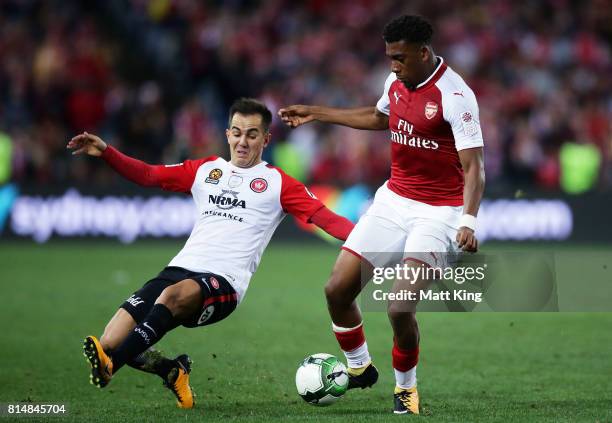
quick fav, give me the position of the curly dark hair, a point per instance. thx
(408, 28)
(251, 106)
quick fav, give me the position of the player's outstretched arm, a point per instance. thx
(360, 118)
(297, 200)
(134, 170)
(473, 170)
(177, 177)
(337, 226)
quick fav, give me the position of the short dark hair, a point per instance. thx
(251, 106)
(408, 28)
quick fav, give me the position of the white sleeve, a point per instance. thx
(461, 112)
(383, 103)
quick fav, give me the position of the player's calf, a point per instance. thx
(174, 304)
(405, 329)
(340, 292)
(405, 353)
(157, 323)
(116, 330)
(405, 357)
(342, 288)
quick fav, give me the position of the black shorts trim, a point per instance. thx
(219, 299)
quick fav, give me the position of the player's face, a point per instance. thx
(409, 61)
(247, 139)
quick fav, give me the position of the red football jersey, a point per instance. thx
(429, 125)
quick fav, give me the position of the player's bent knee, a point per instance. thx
(344, 284)
(342, 289)
(334, 293)
(171, 298)
(402, 312)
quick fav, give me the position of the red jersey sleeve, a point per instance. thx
(337, 226)
(296, 199)
(177, 178)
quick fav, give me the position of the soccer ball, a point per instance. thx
(321, 379)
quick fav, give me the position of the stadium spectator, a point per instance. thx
(539, 73)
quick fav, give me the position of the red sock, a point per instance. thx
(404, 360)
(351, 338)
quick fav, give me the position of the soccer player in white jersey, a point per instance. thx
(243, 200)
(429, 204)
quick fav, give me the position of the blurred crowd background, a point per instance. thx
(155, 78)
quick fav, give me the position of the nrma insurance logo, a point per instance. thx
(8, 194)
(227, 200)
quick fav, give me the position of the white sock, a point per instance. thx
(358, 357)
(405, 380)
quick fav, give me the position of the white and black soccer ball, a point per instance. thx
(321, 379)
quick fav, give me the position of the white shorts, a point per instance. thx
(396, 228)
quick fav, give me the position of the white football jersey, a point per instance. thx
(238, 211)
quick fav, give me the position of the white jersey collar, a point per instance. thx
(237, 169)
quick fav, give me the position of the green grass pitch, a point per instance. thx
(485, 367)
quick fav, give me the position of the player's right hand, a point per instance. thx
(296, 115)
(466, 240)
(87, 144)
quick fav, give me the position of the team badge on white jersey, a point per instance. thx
(470, 127)
(259, 185)
(214, 176)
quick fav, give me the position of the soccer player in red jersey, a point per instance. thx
(428, 206)
(242, 200)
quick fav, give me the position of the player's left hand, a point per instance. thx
(467, 240)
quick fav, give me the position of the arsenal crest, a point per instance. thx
(431, 109)
(259, 185)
